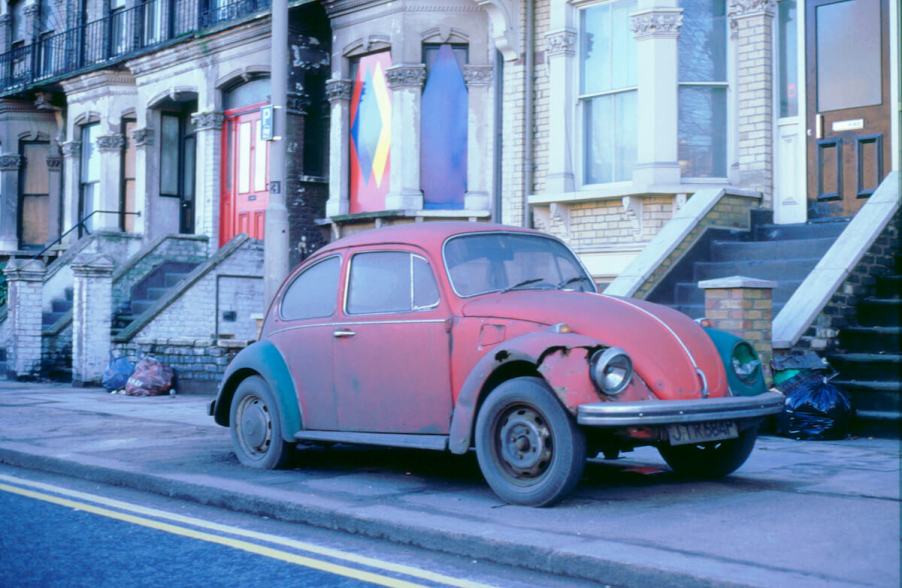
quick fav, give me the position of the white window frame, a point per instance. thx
(731, 165)
(579, 131)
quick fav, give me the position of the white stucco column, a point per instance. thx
(339, 94)
(143, 140)
(71, 177)
(55, 195)
(560, 50)
(10, 165)
(406, 83)
(656, 26)
(480, 137)
(92, 311)
(208, 126)
(109, 196)
(25, 279)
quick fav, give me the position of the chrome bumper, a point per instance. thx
(670, 412)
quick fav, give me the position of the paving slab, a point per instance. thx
(798, 513)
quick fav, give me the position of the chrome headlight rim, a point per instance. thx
(748, 368)
(611, 370)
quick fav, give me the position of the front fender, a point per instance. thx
(533, 349)
(725, 343)
(264, 359)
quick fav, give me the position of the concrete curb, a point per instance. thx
(543, 552)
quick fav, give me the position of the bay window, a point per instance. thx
(607, 92)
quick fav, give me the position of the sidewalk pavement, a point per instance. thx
(797, 514)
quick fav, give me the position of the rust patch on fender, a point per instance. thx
(566, 369)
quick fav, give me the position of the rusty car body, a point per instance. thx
(457, 336)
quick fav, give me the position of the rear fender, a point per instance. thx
(559, 357)
(262, 359)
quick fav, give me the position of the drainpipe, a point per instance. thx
(275, 241)
(528, 115)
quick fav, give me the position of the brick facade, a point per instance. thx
(92, 311)
(25, 279)
(744, 307)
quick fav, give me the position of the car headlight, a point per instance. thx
(611, 369)
(745, 362)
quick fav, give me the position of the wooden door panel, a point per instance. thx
(848, 81)
(245, 193)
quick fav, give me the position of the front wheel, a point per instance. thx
(529, 449)
(710, 460)
(256, 427)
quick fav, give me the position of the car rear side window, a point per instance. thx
(390, 281)
(314, 292)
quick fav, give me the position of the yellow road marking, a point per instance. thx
(274, 539)
(210, 538)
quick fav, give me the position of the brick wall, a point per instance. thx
(198, 363)
(306, 203)
(513, 106)
(542, 117)
(729, 212)
(839, 312)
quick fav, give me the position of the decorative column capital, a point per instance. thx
(4, 19)
(739, 9)
(92, 265)
(142, 137)
(339, 90)
(406, 76)
(207, 121)
(32, 10)
(10, 162)
(478, 75)
(560, 43)
(24, 270)
(54, 163)
(657, 22)
(110, 143)
(71, 148)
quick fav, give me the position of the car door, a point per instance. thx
(392, 346)
(302, 332)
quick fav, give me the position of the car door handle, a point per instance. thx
(343, 333)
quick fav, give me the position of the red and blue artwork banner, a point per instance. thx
(370, 136)
(443, 129)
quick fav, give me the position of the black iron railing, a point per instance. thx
(121, 35)
(82, 226)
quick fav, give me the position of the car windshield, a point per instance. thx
(493, 262)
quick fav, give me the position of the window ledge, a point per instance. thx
(614, 191)
(415, 214)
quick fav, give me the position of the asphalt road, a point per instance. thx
(63, 532)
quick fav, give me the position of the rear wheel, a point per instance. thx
(710, 460)
(530, 451)
(256, 427)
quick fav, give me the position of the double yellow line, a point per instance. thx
(137, 515)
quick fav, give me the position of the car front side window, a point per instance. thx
(313, 293)
(390, 282)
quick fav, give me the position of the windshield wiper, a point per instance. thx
(523, 283)
(572, 280)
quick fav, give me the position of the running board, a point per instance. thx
(435, 442)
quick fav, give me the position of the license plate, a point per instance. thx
(702, 432)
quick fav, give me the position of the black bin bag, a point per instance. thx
(814, 408)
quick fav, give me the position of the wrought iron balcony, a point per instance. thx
(119, 36)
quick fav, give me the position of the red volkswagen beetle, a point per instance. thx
(452, 336)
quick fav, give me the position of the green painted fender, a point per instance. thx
(264, 360)
(725, 343)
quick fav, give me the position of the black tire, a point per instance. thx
(256, 427)
(530, 450)
(710, 460)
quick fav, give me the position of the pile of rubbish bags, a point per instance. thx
(148, 378)
(814, 408)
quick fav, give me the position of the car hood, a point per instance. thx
(666, 346)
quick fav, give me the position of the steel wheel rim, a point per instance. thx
(523, 444)
(254, 424)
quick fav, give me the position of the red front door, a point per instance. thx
(245, 167)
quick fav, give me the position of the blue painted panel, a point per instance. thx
(443, 134)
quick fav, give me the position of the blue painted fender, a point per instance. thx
(264, 360)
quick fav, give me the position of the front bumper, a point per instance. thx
(672, 412)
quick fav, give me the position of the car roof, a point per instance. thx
(428, 235)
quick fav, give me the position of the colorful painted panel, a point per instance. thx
(370, 140)
(443, 130)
